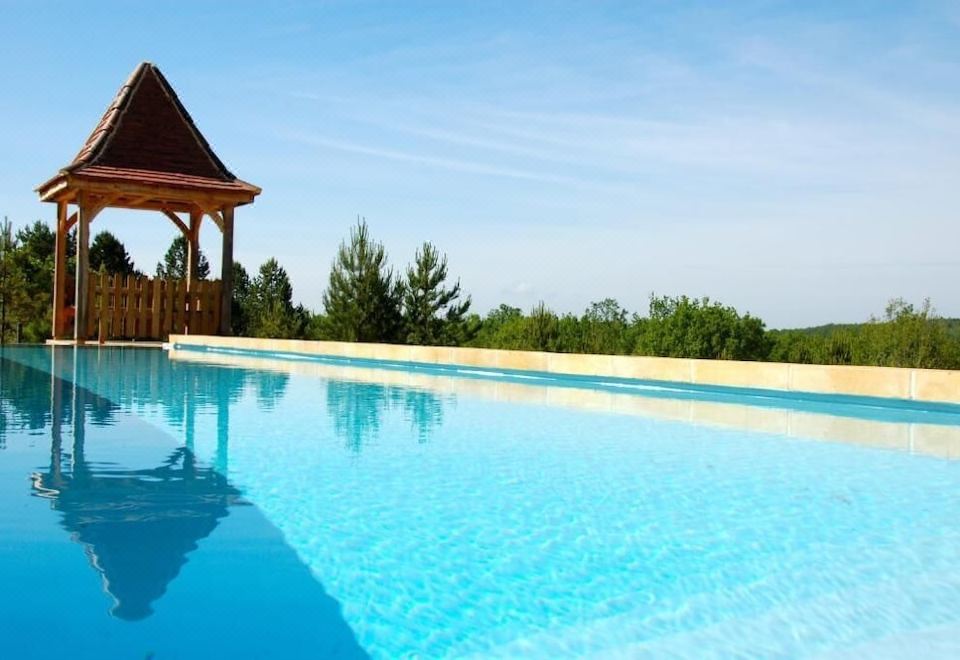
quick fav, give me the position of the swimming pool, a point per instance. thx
(198, 505)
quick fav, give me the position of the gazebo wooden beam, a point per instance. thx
(101, 204)
(226, 273)
(214, 214)
(134, 202)
(193, 247)
(186, 193)
(177, 221)
(154, 205)
(81, 300)
(60, 272)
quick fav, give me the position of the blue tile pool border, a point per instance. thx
(844, 405)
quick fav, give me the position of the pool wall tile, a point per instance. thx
(936, 385)
(863, 381)
(763, 375)
(580, 365)
(651, 368)
(886, 382)
(930, 439)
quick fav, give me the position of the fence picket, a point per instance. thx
(150, 308)
(155, 308)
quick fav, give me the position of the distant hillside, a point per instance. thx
(953, 326)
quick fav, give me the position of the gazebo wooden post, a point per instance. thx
(226, 272)
(193, 247)
(83, 267)
(60, 273)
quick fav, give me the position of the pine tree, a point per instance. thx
(174, 266)
(14, 301)
(109, 254)
(240, 303)
(34, 256)
(432, 313)
(363, 298)
(272, 313)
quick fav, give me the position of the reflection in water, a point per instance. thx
(17, 390)
(424, 410)
(128, 379)
(140, 505)
(356, 409)
(270, 386)
(137, 526)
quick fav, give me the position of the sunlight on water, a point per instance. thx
(484, 516)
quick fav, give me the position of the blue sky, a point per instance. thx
(797, 160)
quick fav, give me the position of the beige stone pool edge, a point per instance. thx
(916, 438)
(928, 385)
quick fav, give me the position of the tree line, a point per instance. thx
(366, 300)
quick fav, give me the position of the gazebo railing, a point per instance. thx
(129, 307)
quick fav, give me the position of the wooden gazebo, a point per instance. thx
(146, 153)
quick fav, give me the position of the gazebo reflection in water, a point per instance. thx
(138, 520)
(137, 526)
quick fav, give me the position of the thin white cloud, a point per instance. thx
(434, 161)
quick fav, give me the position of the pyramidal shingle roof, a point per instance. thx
(147, 137)
(146, 127)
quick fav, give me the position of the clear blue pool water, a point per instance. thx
(222, 507)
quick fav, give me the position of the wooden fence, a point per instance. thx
(143, 308)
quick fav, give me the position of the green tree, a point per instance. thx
(907, 336)
(499, 328)
(34, 256)
(272, 313)
(605, 328)
(503, 314)
(363, 298)
(174, 266)
(433, 314)
(692, 328)
(796, 346)
(317, 328)
(15, 307)
(109, 254)
(570, 335)
(240, 302)
(542, 329)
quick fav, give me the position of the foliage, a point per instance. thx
(678, 327)
(692, 328)
(498, 329)
(36, 245)
(605, 329)
(432, 313)
(108, 254)
(363, 299)
(174, 264)
(15, 304)
(270, 309)
(366, 302)
(240, 301)
(26, 280)
(906, 336)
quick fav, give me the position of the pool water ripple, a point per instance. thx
(448, 524)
